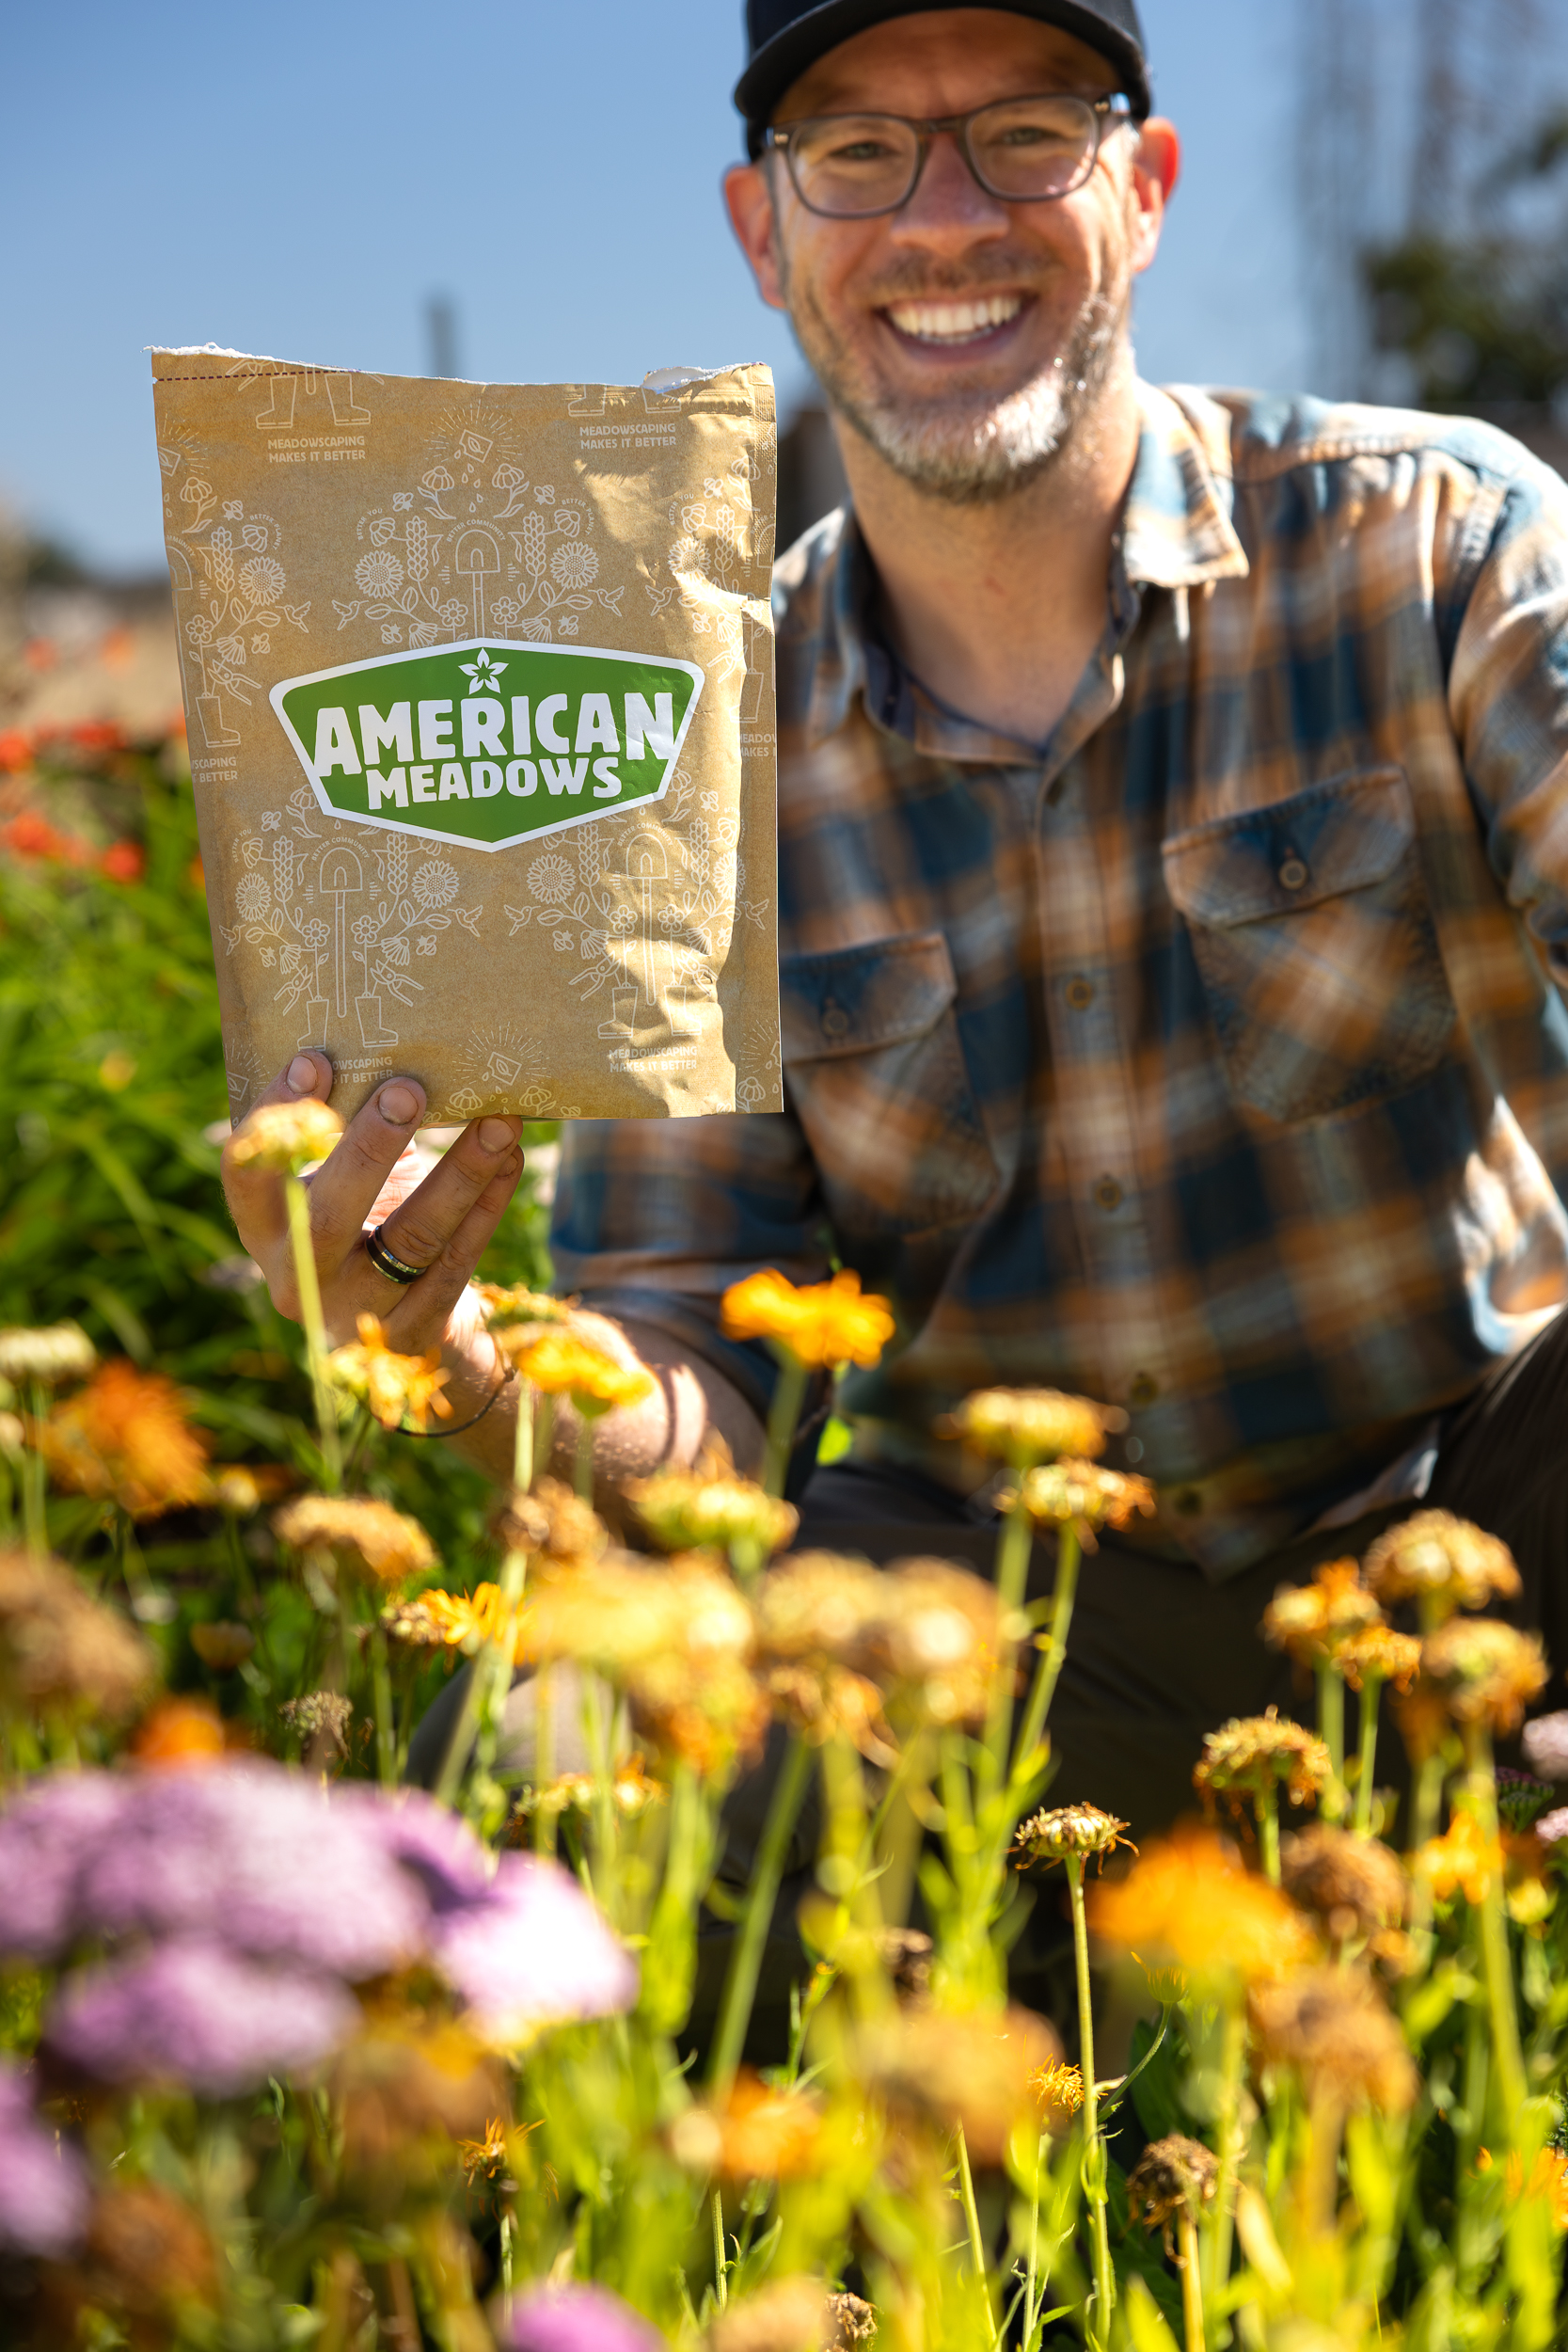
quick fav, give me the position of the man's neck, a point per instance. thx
(998, 609)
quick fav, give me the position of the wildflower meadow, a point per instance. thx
(295, 2053)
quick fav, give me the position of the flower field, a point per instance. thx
(295, 2054)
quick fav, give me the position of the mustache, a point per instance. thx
(919, 282)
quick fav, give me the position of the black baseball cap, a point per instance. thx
(784, 36)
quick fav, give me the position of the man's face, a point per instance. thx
(964, 337)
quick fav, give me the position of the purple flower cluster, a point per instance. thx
(240, 1903)
(43, 2183)
(576, 2319)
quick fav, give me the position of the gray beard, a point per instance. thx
(964, 452)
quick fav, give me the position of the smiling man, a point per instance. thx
(1173, 900)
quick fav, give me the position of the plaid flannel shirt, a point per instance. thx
(1211, 1058)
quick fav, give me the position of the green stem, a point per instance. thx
(1268, 1829)
(789, 1395)
(522, 1441)
(298, 1203)
(740, 1983)
(543, 1756)
(386, 1733)
(544, 1433)
(720, 2266)
(1497, 1966)
(1232, 2058)
(34, 1480)
(976, 2243)
(1371, 1687)
(1192, 2282)
(1014, 1541)
(1331, 1729)
(1054, 1648)
(1093, 2152)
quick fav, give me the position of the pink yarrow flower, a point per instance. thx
(576, 2319)
(533, 1953)
(43, 2180)
(193, 2011)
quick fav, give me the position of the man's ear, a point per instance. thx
(1156, 166)
(749, 195)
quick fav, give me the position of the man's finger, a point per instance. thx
(423, 1225)
(344, 1193)
(255, 1196)
(419, 1317)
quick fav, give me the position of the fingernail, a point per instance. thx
(497, 1134)
(302, 1074)
(398, 1104)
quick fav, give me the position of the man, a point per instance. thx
(1173, 890)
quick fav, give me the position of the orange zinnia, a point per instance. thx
(126, 1436)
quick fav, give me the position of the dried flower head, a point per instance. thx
(49, 1357)
(757, 2134)
(222, 1644)
(1487, 1671)
(284, 1137)
(710, 1507)
(1188, 1901)
(976, 2070)
(1312, 1622)
(409, 2089)
(1027, 1426)
(1255, 1753)
(1444, 1563)
(708, 1713)
(126, 1436)
(393, 1388)
(368, 1538)
(62, 1652)
(552, 1520)
(1545, 1744)
(817, 1604)
(852, 2320)
(1076, 1831)
(1353, 1886)
(150, 2260)
(324, 1714)
(412, 1624)
(939, 1643)
(821, 1325)
(1335, 2028)
(821, 1701)
(1174, 2175)
(789, 2314)
(631, 1792)
(560, 1364)
(1379, 1655)
(1059, 2090)
(1082, 1495)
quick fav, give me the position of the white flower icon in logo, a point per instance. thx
(483, 672)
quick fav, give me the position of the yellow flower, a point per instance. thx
(1189, 1900)
(241, 1488)
(1461, 1861)
(372, 1537)
(284, 1137)
(929, 1635)
(1314, 1621)
(517, 1308)
(1443, 1561)
(1027, 1426)
(463, 1620)
(560, 1364)
(126, 1435)
(710, 1507)
(1060, 2092)
(1379, 1655)
(821, 1324)
(1486, 1671)
(631, 1792)
(1251, 1752)
(1081, 1830)
(1548, 2179)
(1083, 1494)
(395, 1388)
(60, 1353)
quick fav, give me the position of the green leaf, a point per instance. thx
(1146, 2323)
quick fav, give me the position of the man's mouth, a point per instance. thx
(948, 324)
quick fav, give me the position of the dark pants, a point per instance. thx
(1157, 1655)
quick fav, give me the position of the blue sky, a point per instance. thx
(297, 180)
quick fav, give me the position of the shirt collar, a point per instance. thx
(1176, 533)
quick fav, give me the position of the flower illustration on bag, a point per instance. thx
(379, 574)
(575, 565)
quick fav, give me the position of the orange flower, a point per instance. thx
(1462, 1859)
(759, 2134)
(1314, 1621)
(1060, 2092)
(560, 1364)
(395, 1388)
(821, 1323)
(1190, 1900)
(180, 1736)
(126, 1436)
(1549, 2178)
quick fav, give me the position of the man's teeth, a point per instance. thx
(954, 322)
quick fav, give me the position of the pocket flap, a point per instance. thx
(1342, 834)
(851, 1000)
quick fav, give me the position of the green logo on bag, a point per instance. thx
(489, 744)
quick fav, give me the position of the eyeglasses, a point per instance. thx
(1026, 150)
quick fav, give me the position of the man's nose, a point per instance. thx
(949, 209)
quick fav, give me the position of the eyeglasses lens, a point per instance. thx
(1021, 149)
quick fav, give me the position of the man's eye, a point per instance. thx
(859, 152)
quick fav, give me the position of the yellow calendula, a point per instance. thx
(1028, 1425)
(821, 1325)
(284, 1137)
(560, 1364)
(1314, 1622)
(394, 1388)
(1082, 1495)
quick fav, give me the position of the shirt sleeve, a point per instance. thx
(654, 1218)
(1508, 699)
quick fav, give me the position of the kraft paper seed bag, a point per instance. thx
(480, 695)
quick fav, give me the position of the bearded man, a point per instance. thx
(1173, 895)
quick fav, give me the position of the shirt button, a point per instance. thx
(1107, 1193)
(1080, 994)
(1292, 873)
(836, 1022)
(1187, 1500)
(1142, 1390)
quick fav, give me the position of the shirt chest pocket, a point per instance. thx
(1316, 943)
(876, 1075)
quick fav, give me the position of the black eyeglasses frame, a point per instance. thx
(1109, 113)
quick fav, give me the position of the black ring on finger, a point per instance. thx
(395, 1269)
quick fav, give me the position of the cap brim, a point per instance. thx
(782, 61)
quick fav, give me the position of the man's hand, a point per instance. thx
(441, 1221)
